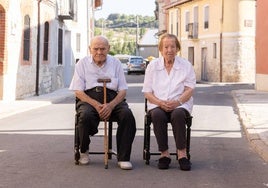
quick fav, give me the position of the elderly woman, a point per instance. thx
(168, 86)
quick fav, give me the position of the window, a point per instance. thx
(60, 37)
(187, 20)
(97, 3)
(215, 50)
(177, 23)
(191, 54)
(171, 25)
(75, 10)
(195, 14)
(46, 39)
(78, 42)
(206, 17)
(195, 23)
(26, 38)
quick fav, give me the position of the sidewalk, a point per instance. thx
(252, 108)
(8, 108)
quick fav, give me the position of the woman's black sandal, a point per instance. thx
(163, 163)
(185, 164)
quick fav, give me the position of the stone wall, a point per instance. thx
(238, 58)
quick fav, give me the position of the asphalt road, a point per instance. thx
(36, 148)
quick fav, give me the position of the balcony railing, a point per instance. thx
(193, 30)
(66, 9)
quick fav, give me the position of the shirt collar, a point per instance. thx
(160, 65)
(93, 63)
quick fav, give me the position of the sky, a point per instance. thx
(135, 7)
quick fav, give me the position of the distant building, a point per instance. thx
(148, 45)
(40, 42)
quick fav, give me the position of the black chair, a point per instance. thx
(147, 136)
(77, 142)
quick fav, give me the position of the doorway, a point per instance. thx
(204, 64)
(67, 59)
(191, 55)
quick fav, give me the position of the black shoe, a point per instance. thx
(163, 163)
(185, 164)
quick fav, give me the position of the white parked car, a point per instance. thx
(124, 60)
(136, 64)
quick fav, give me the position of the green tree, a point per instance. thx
(113, 17)
(125, 49)
(97, 31)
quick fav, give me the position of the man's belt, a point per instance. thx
(97, 93)
(99, 89)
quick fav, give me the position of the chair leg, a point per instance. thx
(188, 136)
(76, 143)
(110, 139)
(147, 135)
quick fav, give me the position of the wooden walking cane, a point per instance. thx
(104, 81)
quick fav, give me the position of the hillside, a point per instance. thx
(123, 31)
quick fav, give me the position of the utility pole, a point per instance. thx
(103, 26)
(37, 50)
(137, 34)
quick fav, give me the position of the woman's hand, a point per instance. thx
(169, 105)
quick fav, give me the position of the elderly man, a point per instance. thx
(90, 107)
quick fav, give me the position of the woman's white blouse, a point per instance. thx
(169, 86)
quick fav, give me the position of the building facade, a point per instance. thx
(261, 46)
(217, 36)
(40, 43)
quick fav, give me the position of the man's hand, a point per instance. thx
(105, 111)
